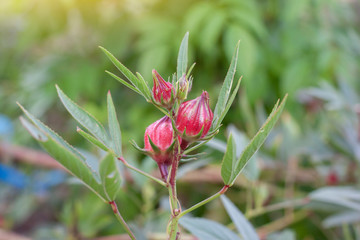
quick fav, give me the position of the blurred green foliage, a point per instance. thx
(285, 46)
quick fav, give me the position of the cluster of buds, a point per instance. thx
(192, 119)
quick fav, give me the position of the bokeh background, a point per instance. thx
(303, 184)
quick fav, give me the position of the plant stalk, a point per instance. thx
(141, 172)
(121, 220)
(216, 195)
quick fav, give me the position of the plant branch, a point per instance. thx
(141, 172)
(209, 199)
(121, 220)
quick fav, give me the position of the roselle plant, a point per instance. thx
(185, 126)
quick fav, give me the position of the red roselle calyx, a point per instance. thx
(163, 92)
(194, 118)
(159, 143)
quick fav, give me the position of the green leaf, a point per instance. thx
(144, 85)
(138, 83)
(64, 153)
(124, 82)
(91, 139)
(228, 104)
(229, 160)
(205, 229)
(84, 118)
(110, 176)
(225, 89)
(34, 131)
(114, 127)
(182, 57)
(243, 226)
(253, 146)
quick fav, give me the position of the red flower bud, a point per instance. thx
(163, 92)
(159, 143)
(332, 178)
(194, 118)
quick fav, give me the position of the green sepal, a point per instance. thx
(195, 138)
(142, 150)
(153, 146)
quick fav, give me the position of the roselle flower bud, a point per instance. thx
(194, 118)
(159, 143)
(163, 92)
(183, 87)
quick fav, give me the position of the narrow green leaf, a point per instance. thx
(110, 176)
(64, 153)
(182, 57)
(114, 126)
(34, 132)
(91, 139)
(144, 86)
(226, 88)
(257, 141)
(190, 70)
(124, 82)
(139, 84)
(243, 226)
(228, 162)
(228, 104)
(84, 118)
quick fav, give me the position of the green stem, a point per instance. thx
(121, 220)
(347, 232)
(216, 195)
(141, 172)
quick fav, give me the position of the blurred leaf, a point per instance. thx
(110, 177)
(211, 32)
(284, 235)
(341, 218)
(155, 57)
(244, 227)
(182, 60)
(248, 49)
(296, 75)
(254, 144)
(206, 229)
(197, 15)
(248, 19)
(225, 89)
(114, 127)
(65, 154)
(344, 196)
(84, 118)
